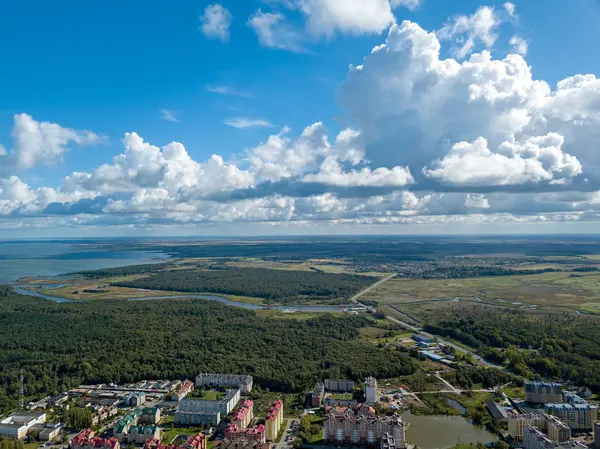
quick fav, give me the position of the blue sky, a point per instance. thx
(112, 67)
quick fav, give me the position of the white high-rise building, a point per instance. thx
(370, 390)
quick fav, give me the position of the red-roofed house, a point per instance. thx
(255, 434)
(86, 440)
(244, 415)
(193, 442)
(274, 419)
(185, 388)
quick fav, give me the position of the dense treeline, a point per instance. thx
(470, 271)
(466, 377)
(275, 285)
(79, 418)
(563, 346)
(124, 271)
(60, 346)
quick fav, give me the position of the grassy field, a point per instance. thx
(547, 290)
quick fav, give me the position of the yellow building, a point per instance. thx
(518, 423)
(274, 419)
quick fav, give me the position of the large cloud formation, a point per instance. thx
(433, 140)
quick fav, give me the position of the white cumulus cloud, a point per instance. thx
(215, 22)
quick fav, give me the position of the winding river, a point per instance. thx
(221, 299)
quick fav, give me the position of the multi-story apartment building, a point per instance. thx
(537, 392)
(317, 394)
(370, 390)
(244, 415)
(241, 381)
(18, 424)
(124, 424)
(597, 434)
(225, 405)
(274, 419)
(86, 439)
(579, 417)
(534, 438)
(150, 415)
(193, 442)
(255, 434)
(343, 386)
(182, 390)
(361, 426)
(553, 427)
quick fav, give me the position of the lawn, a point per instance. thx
(209, 395)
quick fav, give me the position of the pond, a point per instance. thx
(442, 432)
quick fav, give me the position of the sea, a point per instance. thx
(52, 258)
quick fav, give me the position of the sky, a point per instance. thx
(275, 117)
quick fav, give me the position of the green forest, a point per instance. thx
(565, 346)
(273, 285)
(60, 346)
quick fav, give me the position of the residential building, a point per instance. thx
(518, 423)
(256, 433)
(150, 415)
(361, 426)
(86, 439)
(50, 431)
(225, 405)
(18, 424)
(343, 386)
(388, 441)
(135, 399)
(537, 392)
(103, 412)
(240, 444)
(597, 434)
(244, 415)
(140, 434)
(497, 411)
(557, 430)
(197, 418)
(193, 442)
(534, 438)
(185, 388)
(241, 381)
(370, 390)
(274, 419)
(125, 423)
(579, 417)
(317, 394)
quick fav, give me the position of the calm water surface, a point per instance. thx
(42, 259)
(442, 432)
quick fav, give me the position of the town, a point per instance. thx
(225, 411)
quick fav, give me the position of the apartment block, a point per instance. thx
(597, 434)
(317, 395)
(535, 439)
(359, 426)
(537, 392)
(274, 419)
(579, 417)
(241, 381)
(555, 429)
(254, 434)
(343, 386)
(370, 390)
(244, 415)
(150, 415)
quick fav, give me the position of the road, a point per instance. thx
(456, 347)
(371, 287)
(452, 388)
(282, 443)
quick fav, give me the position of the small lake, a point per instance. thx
(442, 432)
